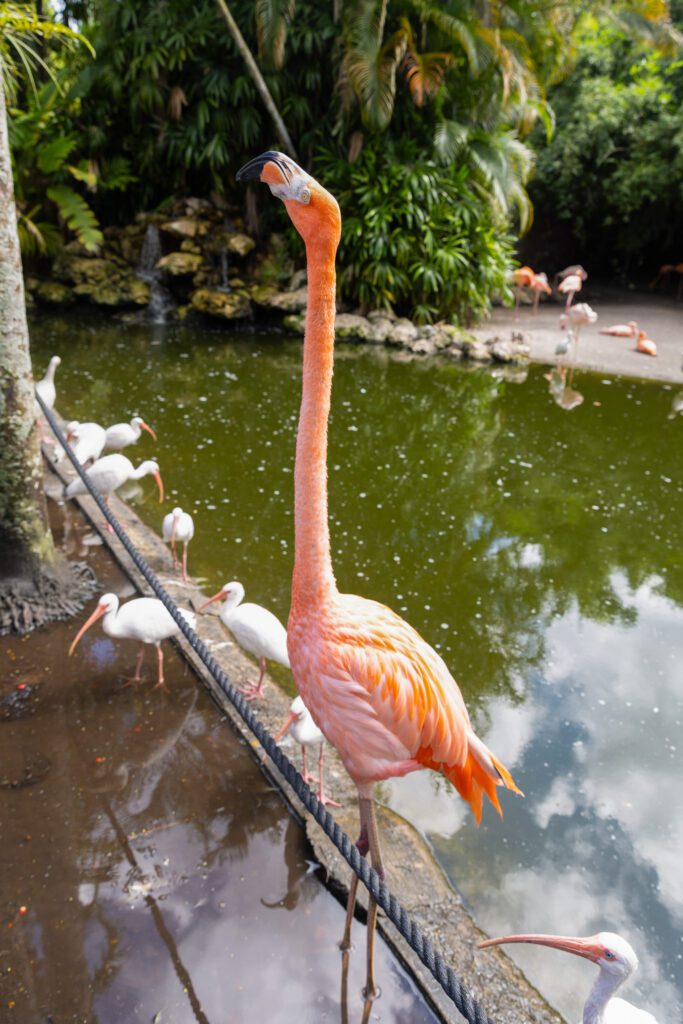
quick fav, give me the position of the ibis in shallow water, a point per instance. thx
(178, 526)
(143, 619)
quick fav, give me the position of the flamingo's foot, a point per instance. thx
(160, 685)
(252, 692)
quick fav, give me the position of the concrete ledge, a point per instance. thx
(412, 872)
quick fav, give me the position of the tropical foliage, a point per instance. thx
(453, 89)
(614, 170)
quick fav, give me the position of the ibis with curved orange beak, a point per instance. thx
(143, 619)
(617, 961)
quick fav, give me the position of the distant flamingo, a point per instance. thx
(178, 526)
(144, 619)
(664, 273)
(525, 277)
(576, 317)
(307, 734)
(645, 344)
(617, 961)
(380, 694)
(254, 628)
(629, 330)
(569, 286)
(575, 270)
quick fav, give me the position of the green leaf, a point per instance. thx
(78, 216)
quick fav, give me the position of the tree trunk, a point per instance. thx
(255, 73)
(23, 513)
(35, 584)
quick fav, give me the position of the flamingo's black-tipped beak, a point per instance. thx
(253, 170)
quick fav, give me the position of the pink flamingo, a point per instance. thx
(645, 345)
(629, 330)
(569, 286)
(539, 284)
(379, 693)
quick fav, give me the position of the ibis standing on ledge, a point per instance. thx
(306, 733)
(178, 526)
(110, 472)
(379, 693)
(617, 962)
(254, 628)
(120, 435)
(143, 619)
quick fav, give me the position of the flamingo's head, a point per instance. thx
(107, 603)
(609, 951)
(313, 211)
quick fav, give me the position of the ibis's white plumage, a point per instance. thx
(120, 435)
(110, 472)
(46, 387)
(86, 439)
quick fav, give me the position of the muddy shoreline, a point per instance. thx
(412, 871)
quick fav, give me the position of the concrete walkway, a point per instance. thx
(661, 316)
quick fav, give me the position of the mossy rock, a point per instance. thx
(54, 293)
(271, 298)
(240, 245)
(227, 305)
(295, 322)
(180, 264)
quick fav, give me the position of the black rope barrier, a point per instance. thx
(465, 1002)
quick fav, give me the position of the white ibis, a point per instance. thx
(46, 387)
(89, 438)
(629, 330)
(304, 730)
(143, 619)
(111, 471)
(48, 392)
(617, 962)
(178, 526)
(120, 435)
(255, 629)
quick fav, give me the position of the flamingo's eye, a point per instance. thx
(305, 196)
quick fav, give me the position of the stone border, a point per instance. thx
(412, 870)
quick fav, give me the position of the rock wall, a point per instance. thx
(210, 266)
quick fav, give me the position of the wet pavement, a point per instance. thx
(148, 869)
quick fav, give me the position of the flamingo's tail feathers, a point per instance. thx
(480, 775)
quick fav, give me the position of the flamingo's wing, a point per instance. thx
(407, 684)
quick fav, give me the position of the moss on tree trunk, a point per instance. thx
(35, 584)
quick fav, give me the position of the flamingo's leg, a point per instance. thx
(363, 847)
(254, 692)
(376, 856)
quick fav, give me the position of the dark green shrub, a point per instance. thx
(415, 235)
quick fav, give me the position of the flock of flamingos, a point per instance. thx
(368, 682)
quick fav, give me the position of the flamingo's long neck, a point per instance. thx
(605, 986)
(313, 578)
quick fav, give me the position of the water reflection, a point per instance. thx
(540, 553)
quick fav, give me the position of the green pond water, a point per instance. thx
(539, 550)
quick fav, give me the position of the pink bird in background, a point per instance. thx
(629, 330)
(379, 693)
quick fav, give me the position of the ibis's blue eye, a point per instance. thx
(609, 955)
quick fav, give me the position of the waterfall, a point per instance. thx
(160, 300)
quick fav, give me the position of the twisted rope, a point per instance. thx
(465, 1002)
